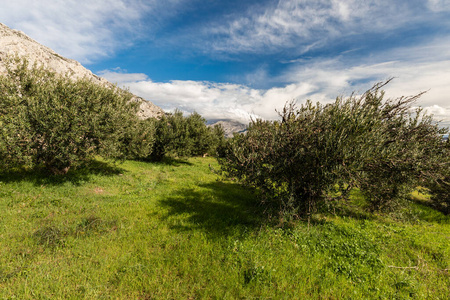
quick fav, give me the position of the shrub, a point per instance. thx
(164, 136)
(182, 136)
(319, 152)
(439, 187)
(218, 140)
(401, 149)
(291, 162)
(138, 141)
(58, 122)
(199, 135)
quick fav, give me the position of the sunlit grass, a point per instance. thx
(175, 230)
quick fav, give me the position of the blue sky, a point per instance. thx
(237, 59)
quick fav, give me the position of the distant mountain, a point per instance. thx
(16, 42)
(229, 126)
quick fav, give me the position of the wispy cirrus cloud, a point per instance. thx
(85, 30)
(80, 29)
(439, 5)
(303, 25)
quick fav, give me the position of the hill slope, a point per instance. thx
(229, 126)
(16, 42)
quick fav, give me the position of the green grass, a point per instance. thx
(175, 230)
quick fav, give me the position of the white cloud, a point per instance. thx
(84, 30)
(212, 100)
(121, 76)
(438, 111)
(416, 69)
(303, 25)
(439, 5)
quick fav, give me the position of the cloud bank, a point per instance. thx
(416, 69)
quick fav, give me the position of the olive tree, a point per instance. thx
(53, 120)
(439, 187)
(318, 152)
(184, 136)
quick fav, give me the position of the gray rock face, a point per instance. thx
(229, 126)
(14, 42)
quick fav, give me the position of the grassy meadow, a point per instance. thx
(177, 230)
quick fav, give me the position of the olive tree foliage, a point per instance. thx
(137, 142)
(439, 188)
(52, 120)
(181, 136)
(320, 152)
(408, 153)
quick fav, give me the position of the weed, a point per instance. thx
(50, 236)
(95, 225)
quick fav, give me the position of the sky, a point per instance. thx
(239, 59)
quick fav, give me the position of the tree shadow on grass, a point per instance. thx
(41, 176)
(219, 209)
(169, 161)
(429, 211)
(349, 210)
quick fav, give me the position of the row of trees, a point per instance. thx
(173, 135)
(314, 154)
(52, 120)
(318, 153)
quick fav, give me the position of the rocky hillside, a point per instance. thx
(16, 42)
(229, 126)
